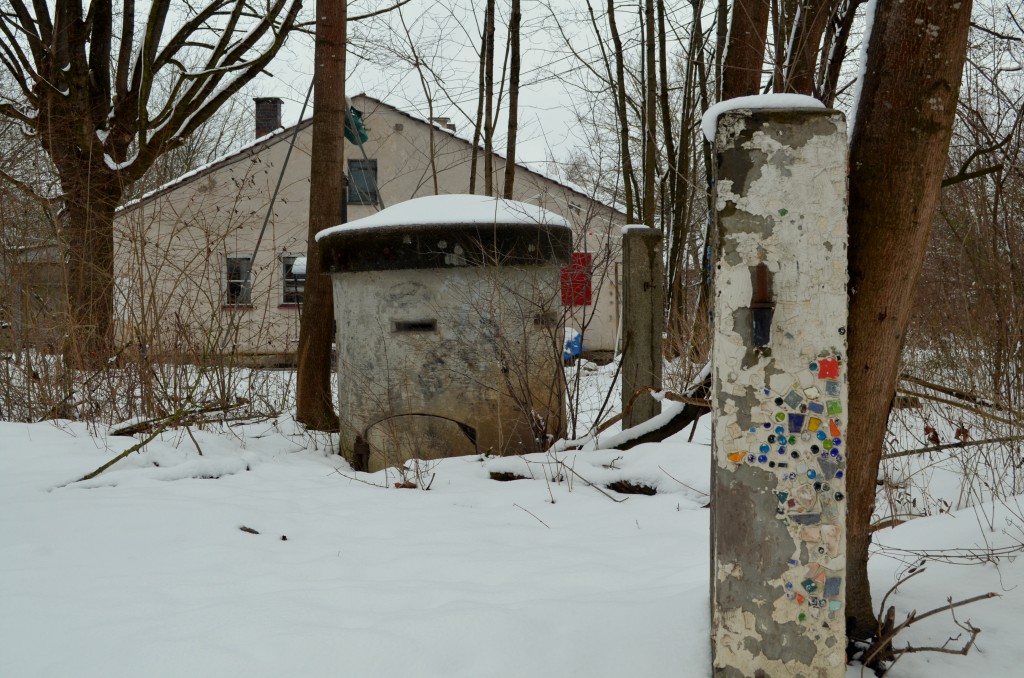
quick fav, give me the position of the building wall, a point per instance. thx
(172, 246)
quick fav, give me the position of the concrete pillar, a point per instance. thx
(643, 310)
(779, 395)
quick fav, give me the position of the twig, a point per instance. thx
(682, 483)
(962, 395)
(358, 480)
(946, 446)
(962, 406)
(535, 517)
(194, 441)
(913, 618)
(573, 471)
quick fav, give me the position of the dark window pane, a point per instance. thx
(239, 287)
(293, 275)
(362, 182)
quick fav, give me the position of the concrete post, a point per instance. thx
(643, 302)
(779, 395)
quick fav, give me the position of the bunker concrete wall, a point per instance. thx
(778, 532)
(435, 363)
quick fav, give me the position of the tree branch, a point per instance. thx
(368, 15)
(967, 176)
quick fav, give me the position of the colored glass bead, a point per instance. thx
(762, 458)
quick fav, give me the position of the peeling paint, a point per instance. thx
(778, 488)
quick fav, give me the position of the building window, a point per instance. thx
(362, 182)
(293, 278)
(239, 287)
(576, 280)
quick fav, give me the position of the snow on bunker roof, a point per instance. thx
(436, 210)
(709, 123)
(445, 231)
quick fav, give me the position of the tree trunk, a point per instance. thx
(314, 406)
(489, 100)
(802, 50)
(897, 157)
(88, 236)
(621, 113)
(651, 116)
(744, 56)
(513, 98)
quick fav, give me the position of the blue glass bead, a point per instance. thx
(821, 435)
(811, 473)
(839, 474)
(762, 458)
(764, 447)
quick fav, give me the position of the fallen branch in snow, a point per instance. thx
(138, 446)
(690, 412)
(186, 418)
(946, 446)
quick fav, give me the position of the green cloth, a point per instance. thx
(354, 130)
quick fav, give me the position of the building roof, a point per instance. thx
(285, 133)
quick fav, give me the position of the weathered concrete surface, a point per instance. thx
(778, 529)
(643, 320)
(442, 362)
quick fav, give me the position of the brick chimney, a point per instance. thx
(268, 115)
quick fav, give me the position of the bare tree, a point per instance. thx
(514, 24)
(326, 188)
(86, 85)
(898, 154)
(744, 55)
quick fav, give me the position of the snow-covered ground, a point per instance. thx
(145, 570)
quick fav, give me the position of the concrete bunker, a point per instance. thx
(447, 328)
